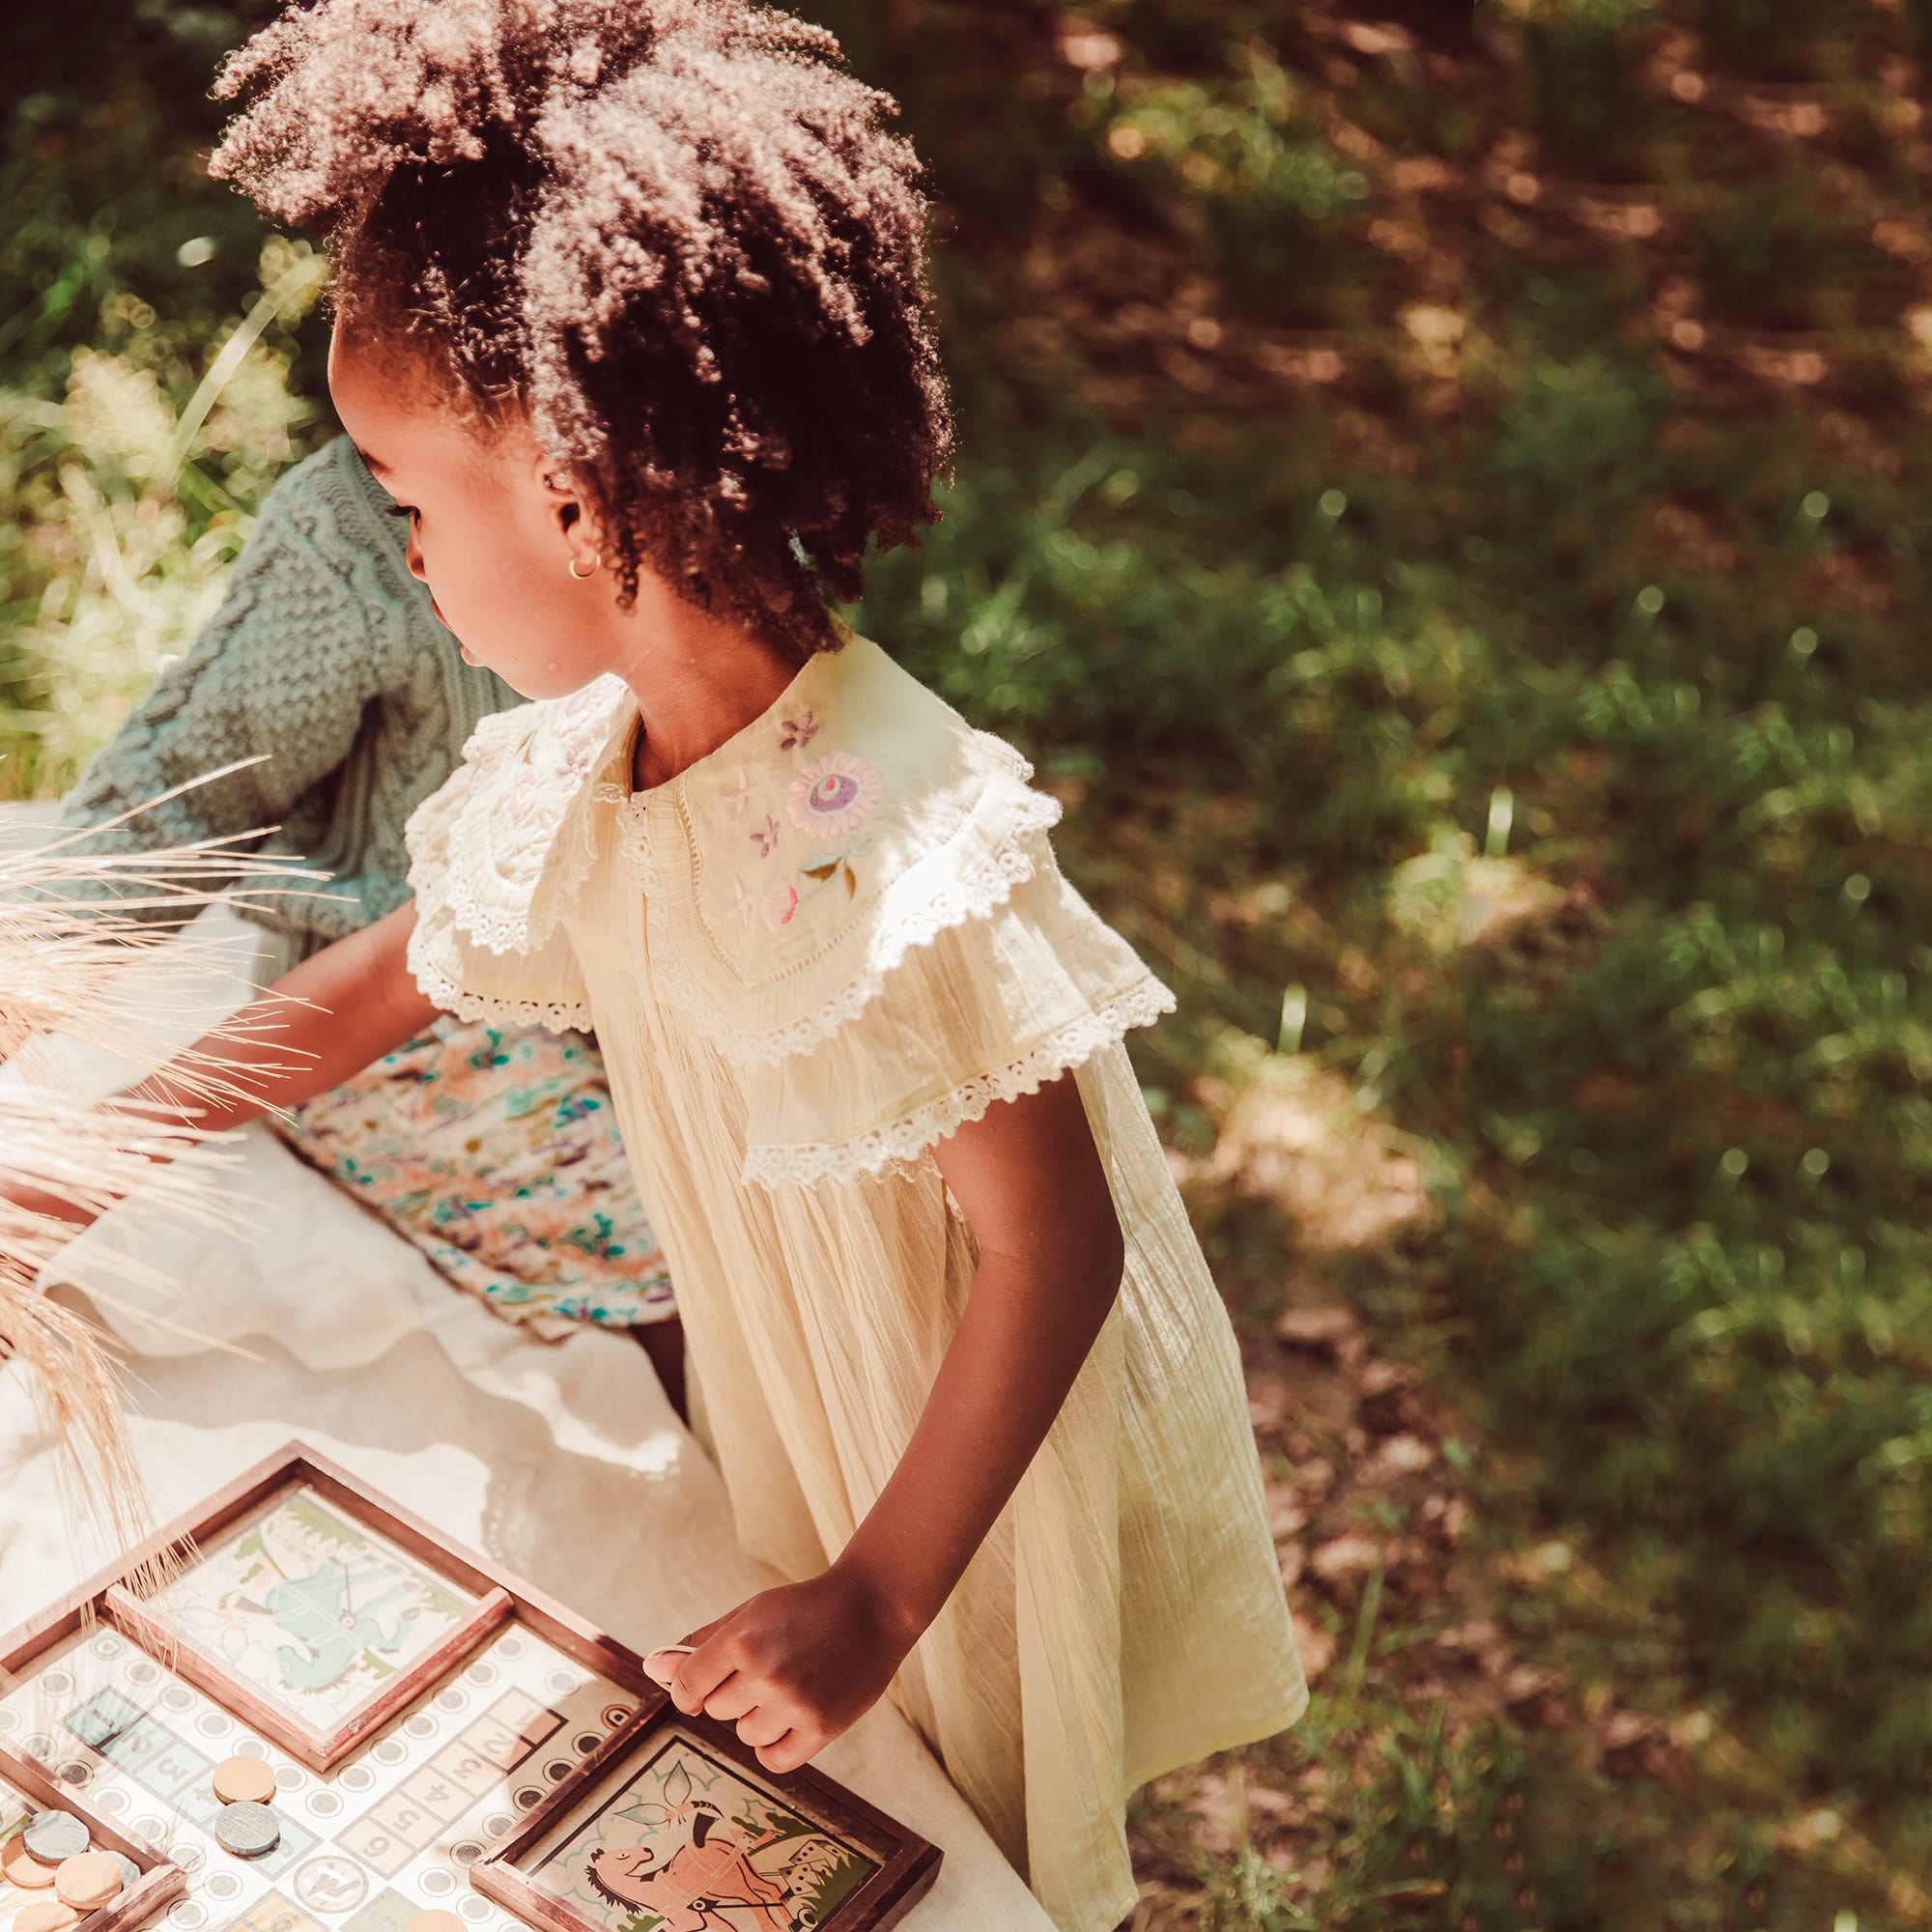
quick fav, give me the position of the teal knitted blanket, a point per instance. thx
(324, 655)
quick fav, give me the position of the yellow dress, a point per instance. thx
(807, 958)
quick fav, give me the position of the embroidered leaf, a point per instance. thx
(824, 871)
(851, 883)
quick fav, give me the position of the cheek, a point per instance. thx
(481, 579)
(500, 592)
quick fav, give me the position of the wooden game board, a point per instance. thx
(442, 1736)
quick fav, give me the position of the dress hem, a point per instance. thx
(1249, 1731)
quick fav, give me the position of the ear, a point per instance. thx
(570, 515)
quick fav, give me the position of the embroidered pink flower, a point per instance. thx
(524, 789)
(779, 902)
(834, 794)
(766, 836)
(796, 732)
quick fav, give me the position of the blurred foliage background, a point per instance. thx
(1442, 493)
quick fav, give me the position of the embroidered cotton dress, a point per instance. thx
(807, 958)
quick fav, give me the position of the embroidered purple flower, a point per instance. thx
(834, 794)
(766, 836)
(779, 904)
(796, 732)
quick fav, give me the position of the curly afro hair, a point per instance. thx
(675, 233)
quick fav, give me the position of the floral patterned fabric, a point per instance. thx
(495, 1151)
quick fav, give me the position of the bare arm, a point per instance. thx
(1029, 1179)
(315, 1027)
(343, 1007)
(796, 1666)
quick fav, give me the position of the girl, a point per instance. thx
(630, 319)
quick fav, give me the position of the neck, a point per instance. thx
(699, 678)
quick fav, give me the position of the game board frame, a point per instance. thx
(161, 1880)
(318, 1750)
(499, 1595)
(907, 1863)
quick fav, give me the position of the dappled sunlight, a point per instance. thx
(1301, 1138)
(1439, 501)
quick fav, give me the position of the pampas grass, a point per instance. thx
(79, 932)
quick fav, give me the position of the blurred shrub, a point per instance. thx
(1577, 70)
(128, 495)
(1278, 200)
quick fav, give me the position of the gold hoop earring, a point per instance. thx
(570, 565)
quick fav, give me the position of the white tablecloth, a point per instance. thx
(562, 1459)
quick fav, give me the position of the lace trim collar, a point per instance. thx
(791, 871)
(521, 843)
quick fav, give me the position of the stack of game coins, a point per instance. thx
(55, 1854)
(246, 1825)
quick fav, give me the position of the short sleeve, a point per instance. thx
(984, 1009)
(496, 857)
(536, 984)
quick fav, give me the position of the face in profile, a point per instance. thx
(488, 525)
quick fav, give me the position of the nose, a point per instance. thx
(416, 556)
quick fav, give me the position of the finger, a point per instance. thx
(662, 1665)
(703, 1670)
(785, 1753)
(761, 1727)
(733, 1698)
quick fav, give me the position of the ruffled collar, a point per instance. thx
(519, 842)
(789, 870)
(785, 874)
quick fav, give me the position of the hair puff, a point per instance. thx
(676, 233)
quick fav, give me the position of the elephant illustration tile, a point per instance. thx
(314, 1611)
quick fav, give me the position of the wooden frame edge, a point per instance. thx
(162, 1880)
(493, 1609)
(125, 1611)
(905, 1872)
(316, 1750)
(555, 1621)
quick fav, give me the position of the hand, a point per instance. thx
(792, 1667)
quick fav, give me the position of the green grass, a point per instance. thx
(1533, 696)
